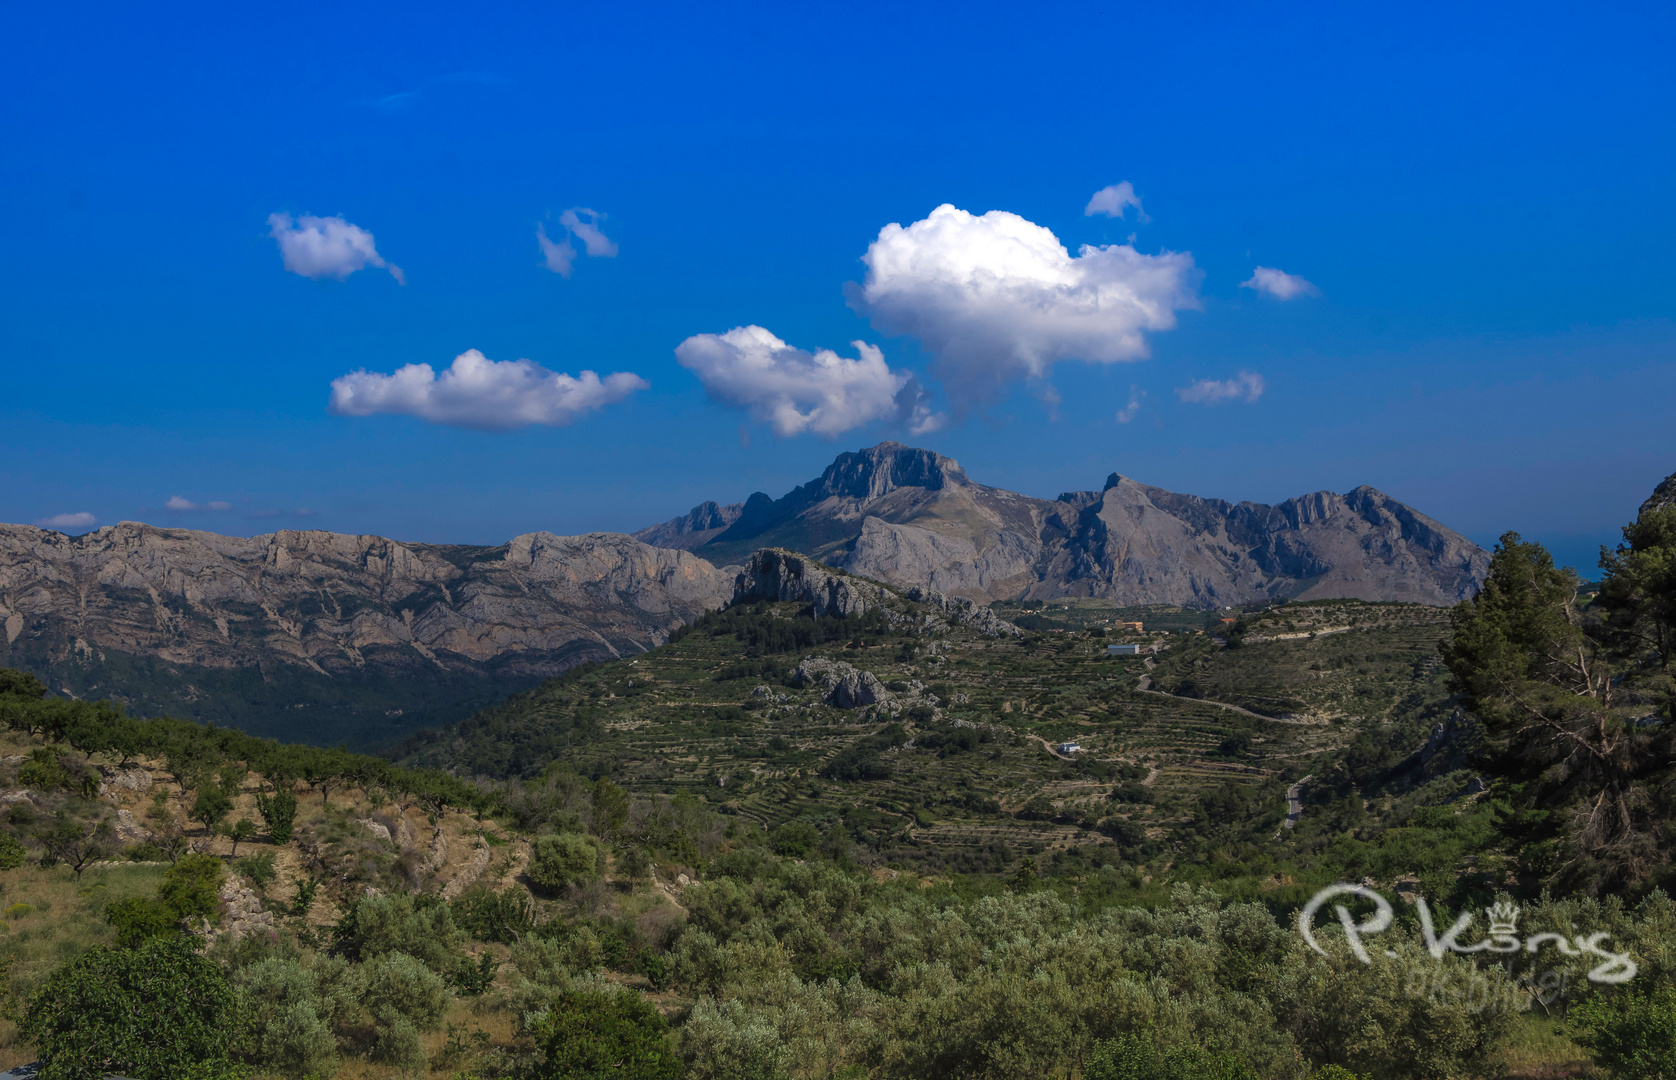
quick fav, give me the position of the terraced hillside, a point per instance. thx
(951, 759)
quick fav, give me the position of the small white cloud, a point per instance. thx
(594, 242)
(1114, 201)
(177, 502)
(1127, 413)
(996, 297)
(1244, 386)
(69, 522)
(559, 258)
(476, 392)
(318, 247)
(1279, 284)
(797, 391)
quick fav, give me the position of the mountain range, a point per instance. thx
(910, 516)
(330, 638)
(323, 637)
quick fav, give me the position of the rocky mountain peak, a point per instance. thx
(878, 470)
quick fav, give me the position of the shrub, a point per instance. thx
(191, 888)
(795, 839)
(490, 916)
(290, 1030)
(1632, 1034)
(18, 911)
(589, 1034)
(12, 853)
(279, 813)
(420, 927)
(154, 1011)
(258, 868)
(139, 919)
(403, 997)
(1138, 1056)
(565, 859)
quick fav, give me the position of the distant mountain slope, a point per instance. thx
(322, 637)
(913, 517)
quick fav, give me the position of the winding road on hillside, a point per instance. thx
(1145, 687)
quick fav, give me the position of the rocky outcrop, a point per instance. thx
(780, 576)
(361, 632)
(846, 686)
(911, 517)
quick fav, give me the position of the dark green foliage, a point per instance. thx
(565, 859)
(1632, 1033)
(421, 927)
(139, 918)
(1588, 779)
(590, 1035)
(12, 853)
(796, 839)
(473, 978)
(258, 868)
(21, 684)
(191, 888)
(74, 843)
(150, 1012)
(486, 915)
(279, 812)
(1138, 1056)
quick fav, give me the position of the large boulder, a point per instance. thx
(846, 686)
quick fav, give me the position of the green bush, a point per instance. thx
(565, 859)
(795, 839)
(420, 927)
(1138, 1056)
(154, 1011)
(589, 1034)
(258, 868)
(140, 918)
(404, 998)
(191, 888)
(279, 813)
(1632, 1034)
(289, 1018)
(12, 853)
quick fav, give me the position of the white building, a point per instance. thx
(1070, 748)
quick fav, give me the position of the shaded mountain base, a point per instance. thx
(364, 708)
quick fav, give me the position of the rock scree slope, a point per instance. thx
(910, 516)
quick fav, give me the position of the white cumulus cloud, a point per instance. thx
(331, 247)
(796, 391)
(1244, 386)
(69, 522)
(559, 256)
(1279, 284)
(1114, 201)
(177, 502)
(1127, 413)
(995, 297)
(476, 392)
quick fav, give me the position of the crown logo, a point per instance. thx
(1504, 918)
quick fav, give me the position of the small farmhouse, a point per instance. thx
(1070, 748)
(1123, 650)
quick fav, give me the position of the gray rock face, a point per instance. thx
(364, 614)
(847, 686)
(777, 575)
(911, 517)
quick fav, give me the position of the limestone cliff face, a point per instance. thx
(355, 611)
(913, 517)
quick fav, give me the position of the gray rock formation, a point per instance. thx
(912, 517)
(846, 686)
(300, 633)
(777, 575)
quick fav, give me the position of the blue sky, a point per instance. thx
(1478, 199)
